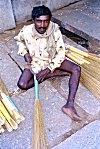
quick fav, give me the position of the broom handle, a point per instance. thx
(36, 87)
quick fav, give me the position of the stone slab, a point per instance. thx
(84, 98)
(53, 5)
(6, 15)
(56, 123)
(86, 138)
(9, 72)
(82, 19)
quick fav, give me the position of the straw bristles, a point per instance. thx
(94, 58)
(39, 138)
(90, 68)
(91, 83)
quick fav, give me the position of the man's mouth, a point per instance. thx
(42, 29)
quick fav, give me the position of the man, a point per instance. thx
(43, 49)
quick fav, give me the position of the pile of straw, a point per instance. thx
(10, 115)
(90, 68)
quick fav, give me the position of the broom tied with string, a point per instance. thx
(9, 103)
(8, 110)
(39, 138)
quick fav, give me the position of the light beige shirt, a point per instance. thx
(46, 50)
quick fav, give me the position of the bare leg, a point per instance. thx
(26, 79)
(74, 69)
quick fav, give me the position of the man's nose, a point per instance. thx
(42, 24)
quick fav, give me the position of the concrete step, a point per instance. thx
(83, 19)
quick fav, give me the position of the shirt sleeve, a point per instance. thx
(60, 51)
(21, 43)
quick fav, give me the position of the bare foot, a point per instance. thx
(71, 112)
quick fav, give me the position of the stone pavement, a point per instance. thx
(61, 131)
(83, 19)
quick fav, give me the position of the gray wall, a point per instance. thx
(7, 20)
(13, 12)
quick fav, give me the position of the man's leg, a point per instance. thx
(74, 70)
(26, 80)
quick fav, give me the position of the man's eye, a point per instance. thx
(46, 21)
(38, 21)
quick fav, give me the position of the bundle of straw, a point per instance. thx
(39, 138)
(90, 68)
(10, 115)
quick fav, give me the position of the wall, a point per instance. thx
(13, 12)
(7, 20)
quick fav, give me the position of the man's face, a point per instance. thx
(42, 23)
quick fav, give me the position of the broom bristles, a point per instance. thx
(90, 82)
(39, 138)
(94, 58)
(90, 69)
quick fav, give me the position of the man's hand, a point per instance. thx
(27, 58)
(42, 74)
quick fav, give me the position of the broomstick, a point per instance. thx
(39, 138)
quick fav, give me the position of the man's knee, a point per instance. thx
(77, 69)
(22, 85)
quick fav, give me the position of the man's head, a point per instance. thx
(41, 16)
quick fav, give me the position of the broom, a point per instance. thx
(90, 64)
(39, 138)
(9, 103)
(9, 112)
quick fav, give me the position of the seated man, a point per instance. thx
(43, 49)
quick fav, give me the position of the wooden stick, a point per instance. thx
(80, 62)
(7, 116)
(7, 125)
(80, 58)
(73, 49)
(13, 110)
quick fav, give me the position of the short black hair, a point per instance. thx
(41, 10)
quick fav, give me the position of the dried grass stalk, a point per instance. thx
(90, 82)
(39, 138)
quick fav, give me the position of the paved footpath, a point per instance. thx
(61, 131)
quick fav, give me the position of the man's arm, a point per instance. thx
(22, 47)
(21, 43)
(27, 58)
